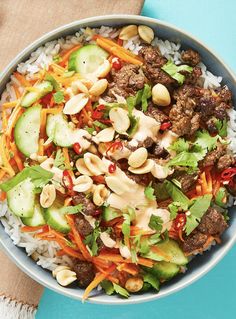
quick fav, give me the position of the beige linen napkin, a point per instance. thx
(21, 22)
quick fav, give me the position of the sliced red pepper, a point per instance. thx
(228, 174)
(67, 180)
(77, 148)
(46, 100)
(98, 112)
(99, 179)
(114, 146)
(112, 168)
(116, 64)
(180, 221)
(165, 126)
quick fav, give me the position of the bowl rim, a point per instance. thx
(123, 19)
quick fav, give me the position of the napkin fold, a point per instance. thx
(21, 22)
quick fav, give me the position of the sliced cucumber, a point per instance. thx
(165, 270)
(58, 130)
(21, 199)
(26, 131)
(87, 59)
(172, 249)
(37, 219)
(56, 219)
(43, 88)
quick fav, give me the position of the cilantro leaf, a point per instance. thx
(152, 280)
(144, 247)
(149, 192)
(59, 160)
(173, 70)
(146, 94)
(126, 225)
(70, 210)
(91, 241)
(37, 174)
(90, 130)
(205, 140)
(51, 79)
(180, 145)
(184, 159)
(176, 194)
(108, 287)
(221, 127)
(58, 97)
(121, 291)
(155, 223)
(197, 210)
(109, 213)
(99, 124)
(134, 122)
(140, 97)
(220, 196)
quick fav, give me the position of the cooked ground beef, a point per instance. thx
(83, 226)
(225, 161)
(185, 121)
(148, 142)
(142, 179)
(158, 151)
(213, 156)
(225, 95)
(212, 223)
(187, 181)
(195, 241)
(192, 77)
(85, 272)
(191, 57)
(155, 113)
(211, 125)
(153, 61)
(127, 81)
(89, 207)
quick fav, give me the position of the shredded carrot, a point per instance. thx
(198, 190)
(216, 186)
(160, 252)
(118, 259)
(110, 277)
(124, 56)
(3, 196)
(17, 92)
(67, 54)
(28, 229)
(129, 268)
(17, 158)
(67, 201)
(99, 278)
(41, 148)
(43, 121)
(4, 120)
(22, 79)
(2, 173)
(9, 105)
(13, 119)
(206, 182)
(4, 156)
(71, 252)
(78, 238)
(66, 156)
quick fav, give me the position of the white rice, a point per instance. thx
(44, 252)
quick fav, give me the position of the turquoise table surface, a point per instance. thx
(213, 296)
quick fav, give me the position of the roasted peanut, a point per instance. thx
(146, 33)
(160, 95)
(128, 32)
(138, 157)
(48, 195)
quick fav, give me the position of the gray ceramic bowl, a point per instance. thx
(201, 264)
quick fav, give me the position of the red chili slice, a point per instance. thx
(67, 180)
(114, 146)
(77, 148)
(98, 112)
(165, 126)
(228, 174)
(180, 222)
(116, 64)
(46, 100)
(112, 168)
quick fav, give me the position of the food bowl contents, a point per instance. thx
(117, 162)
